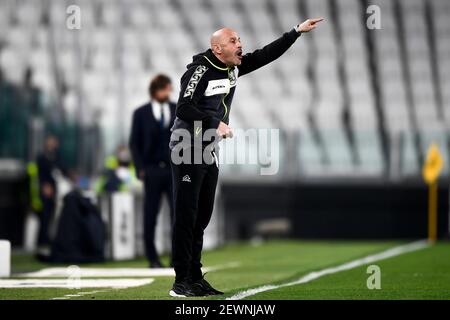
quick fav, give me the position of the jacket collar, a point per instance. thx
(213, 61)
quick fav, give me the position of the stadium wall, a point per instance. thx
(335, 210)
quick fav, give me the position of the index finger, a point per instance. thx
(317, 20)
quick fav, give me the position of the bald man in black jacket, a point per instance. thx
(202, 113)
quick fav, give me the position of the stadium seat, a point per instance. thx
(325, 78)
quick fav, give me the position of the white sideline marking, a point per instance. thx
(80, 294)
(80, 283)
(417, 245)
(61, 272)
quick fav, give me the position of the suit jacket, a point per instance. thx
(149, 142)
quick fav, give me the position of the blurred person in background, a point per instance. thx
(3, 115)
(30, 94)
(149, 145)
(119, 172)
(12, 123)
(47, 163)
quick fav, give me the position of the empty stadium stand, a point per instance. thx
(350, 100)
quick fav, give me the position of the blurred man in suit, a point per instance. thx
(149, 145)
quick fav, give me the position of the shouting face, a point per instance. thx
(226, 46)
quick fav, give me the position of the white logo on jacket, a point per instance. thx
(193, 82)
(217, 87)
(222, 86)
(233, 75)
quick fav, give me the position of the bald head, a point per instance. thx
(226, 46)
(220, 36)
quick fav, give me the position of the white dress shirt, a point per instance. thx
(159, 108)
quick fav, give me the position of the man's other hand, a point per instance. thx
(224, 131)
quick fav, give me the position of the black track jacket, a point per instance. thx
(208, 85)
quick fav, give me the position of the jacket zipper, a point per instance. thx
(225, 106)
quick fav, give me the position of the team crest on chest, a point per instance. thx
(232, 76)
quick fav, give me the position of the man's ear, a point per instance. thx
(217, 48)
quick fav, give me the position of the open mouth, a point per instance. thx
(239, 54)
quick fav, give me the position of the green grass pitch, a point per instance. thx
(422, 274)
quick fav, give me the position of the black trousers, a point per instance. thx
(45, 218)
(157, 181)
(194, 191)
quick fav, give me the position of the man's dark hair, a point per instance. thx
(158, 82)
